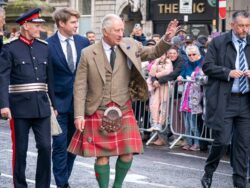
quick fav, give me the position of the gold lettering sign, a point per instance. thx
(173, 8)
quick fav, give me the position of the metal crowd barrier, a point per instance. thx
(174, 117)
(143, 115)
(177, 125)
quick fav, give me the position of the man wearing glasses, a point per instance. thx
(228, 102)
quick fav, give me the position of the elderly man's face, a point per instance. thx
(33, 29)
(241, 26)
(114, 34)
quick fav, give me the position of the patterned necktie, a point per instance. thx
(70, 56)
(112, 57)
(242, 65)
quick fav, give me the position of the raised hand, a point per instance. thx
(171, 30)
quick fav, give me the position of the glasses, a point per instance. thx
(191, 55)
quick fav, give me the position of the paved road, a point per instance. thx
(157, 167)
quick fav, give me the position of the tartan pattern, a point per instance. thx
(94, 143)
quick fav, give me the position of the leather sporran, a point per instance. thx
(112, 120)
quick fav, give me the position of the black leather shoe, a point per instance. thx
(206, 180)
(65, 186)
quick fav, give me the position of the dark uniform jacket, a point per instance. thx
(219, 61)
(21, 63)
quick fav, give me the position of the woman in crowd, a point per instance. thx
(159, 93)
(192, 96)
(177, 62)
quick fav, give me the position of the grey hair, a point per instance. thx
(190, 48)
(107, 21)
(240, 13)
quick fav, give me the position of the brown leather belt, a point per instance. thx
(122, 108)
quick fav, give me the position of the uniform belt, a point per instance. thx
(22, 88)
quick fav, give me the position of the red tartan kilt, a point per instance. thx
(93, 143)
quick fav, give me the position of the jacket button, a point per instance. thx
(37, 78)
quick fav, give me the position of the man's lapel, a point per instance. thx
(78, 49)
(131, 52)
(59, 51)
(99, 56)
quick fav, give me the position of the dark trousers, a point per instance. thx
(62, 160)
(236, 123)
(41, 129)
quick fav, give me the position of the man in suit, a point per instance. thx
(91, 36)
(26, 80)
(65, 48)
(227, 66)
(108, 78)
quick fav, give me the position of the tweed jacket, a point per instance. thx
(90, 77)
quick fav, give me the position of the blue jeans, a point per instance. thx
(191, 128)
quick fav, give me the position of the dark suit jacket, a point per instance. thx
(63, 77)
(219, 61)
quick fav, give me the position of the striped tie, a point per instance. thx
(242, 65)
(70, 56)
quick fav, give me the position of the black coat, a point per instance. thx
(219, 61)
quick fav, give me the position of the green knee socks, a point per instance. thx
(102, 175)
(121, 170)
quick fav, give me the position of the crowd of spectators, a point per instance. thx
(182, 62)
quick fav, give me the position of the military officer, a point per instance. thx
(25, 79)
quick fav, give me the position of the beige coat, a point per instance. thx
(90, 79)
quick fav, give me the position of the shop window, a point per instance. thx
(85, 7)
(85, 19)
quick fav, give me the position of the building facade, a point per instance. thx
(197, 16)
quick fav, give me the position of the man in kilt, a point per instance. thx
(108, 78)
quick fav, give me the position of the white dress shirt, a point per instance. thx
(236, 88)
(107, 49)
(63, 42)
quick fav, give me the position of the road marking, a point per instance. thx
(190, 168)
(28, 180)
(3, 133)
(195, 156)
(130, 178)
